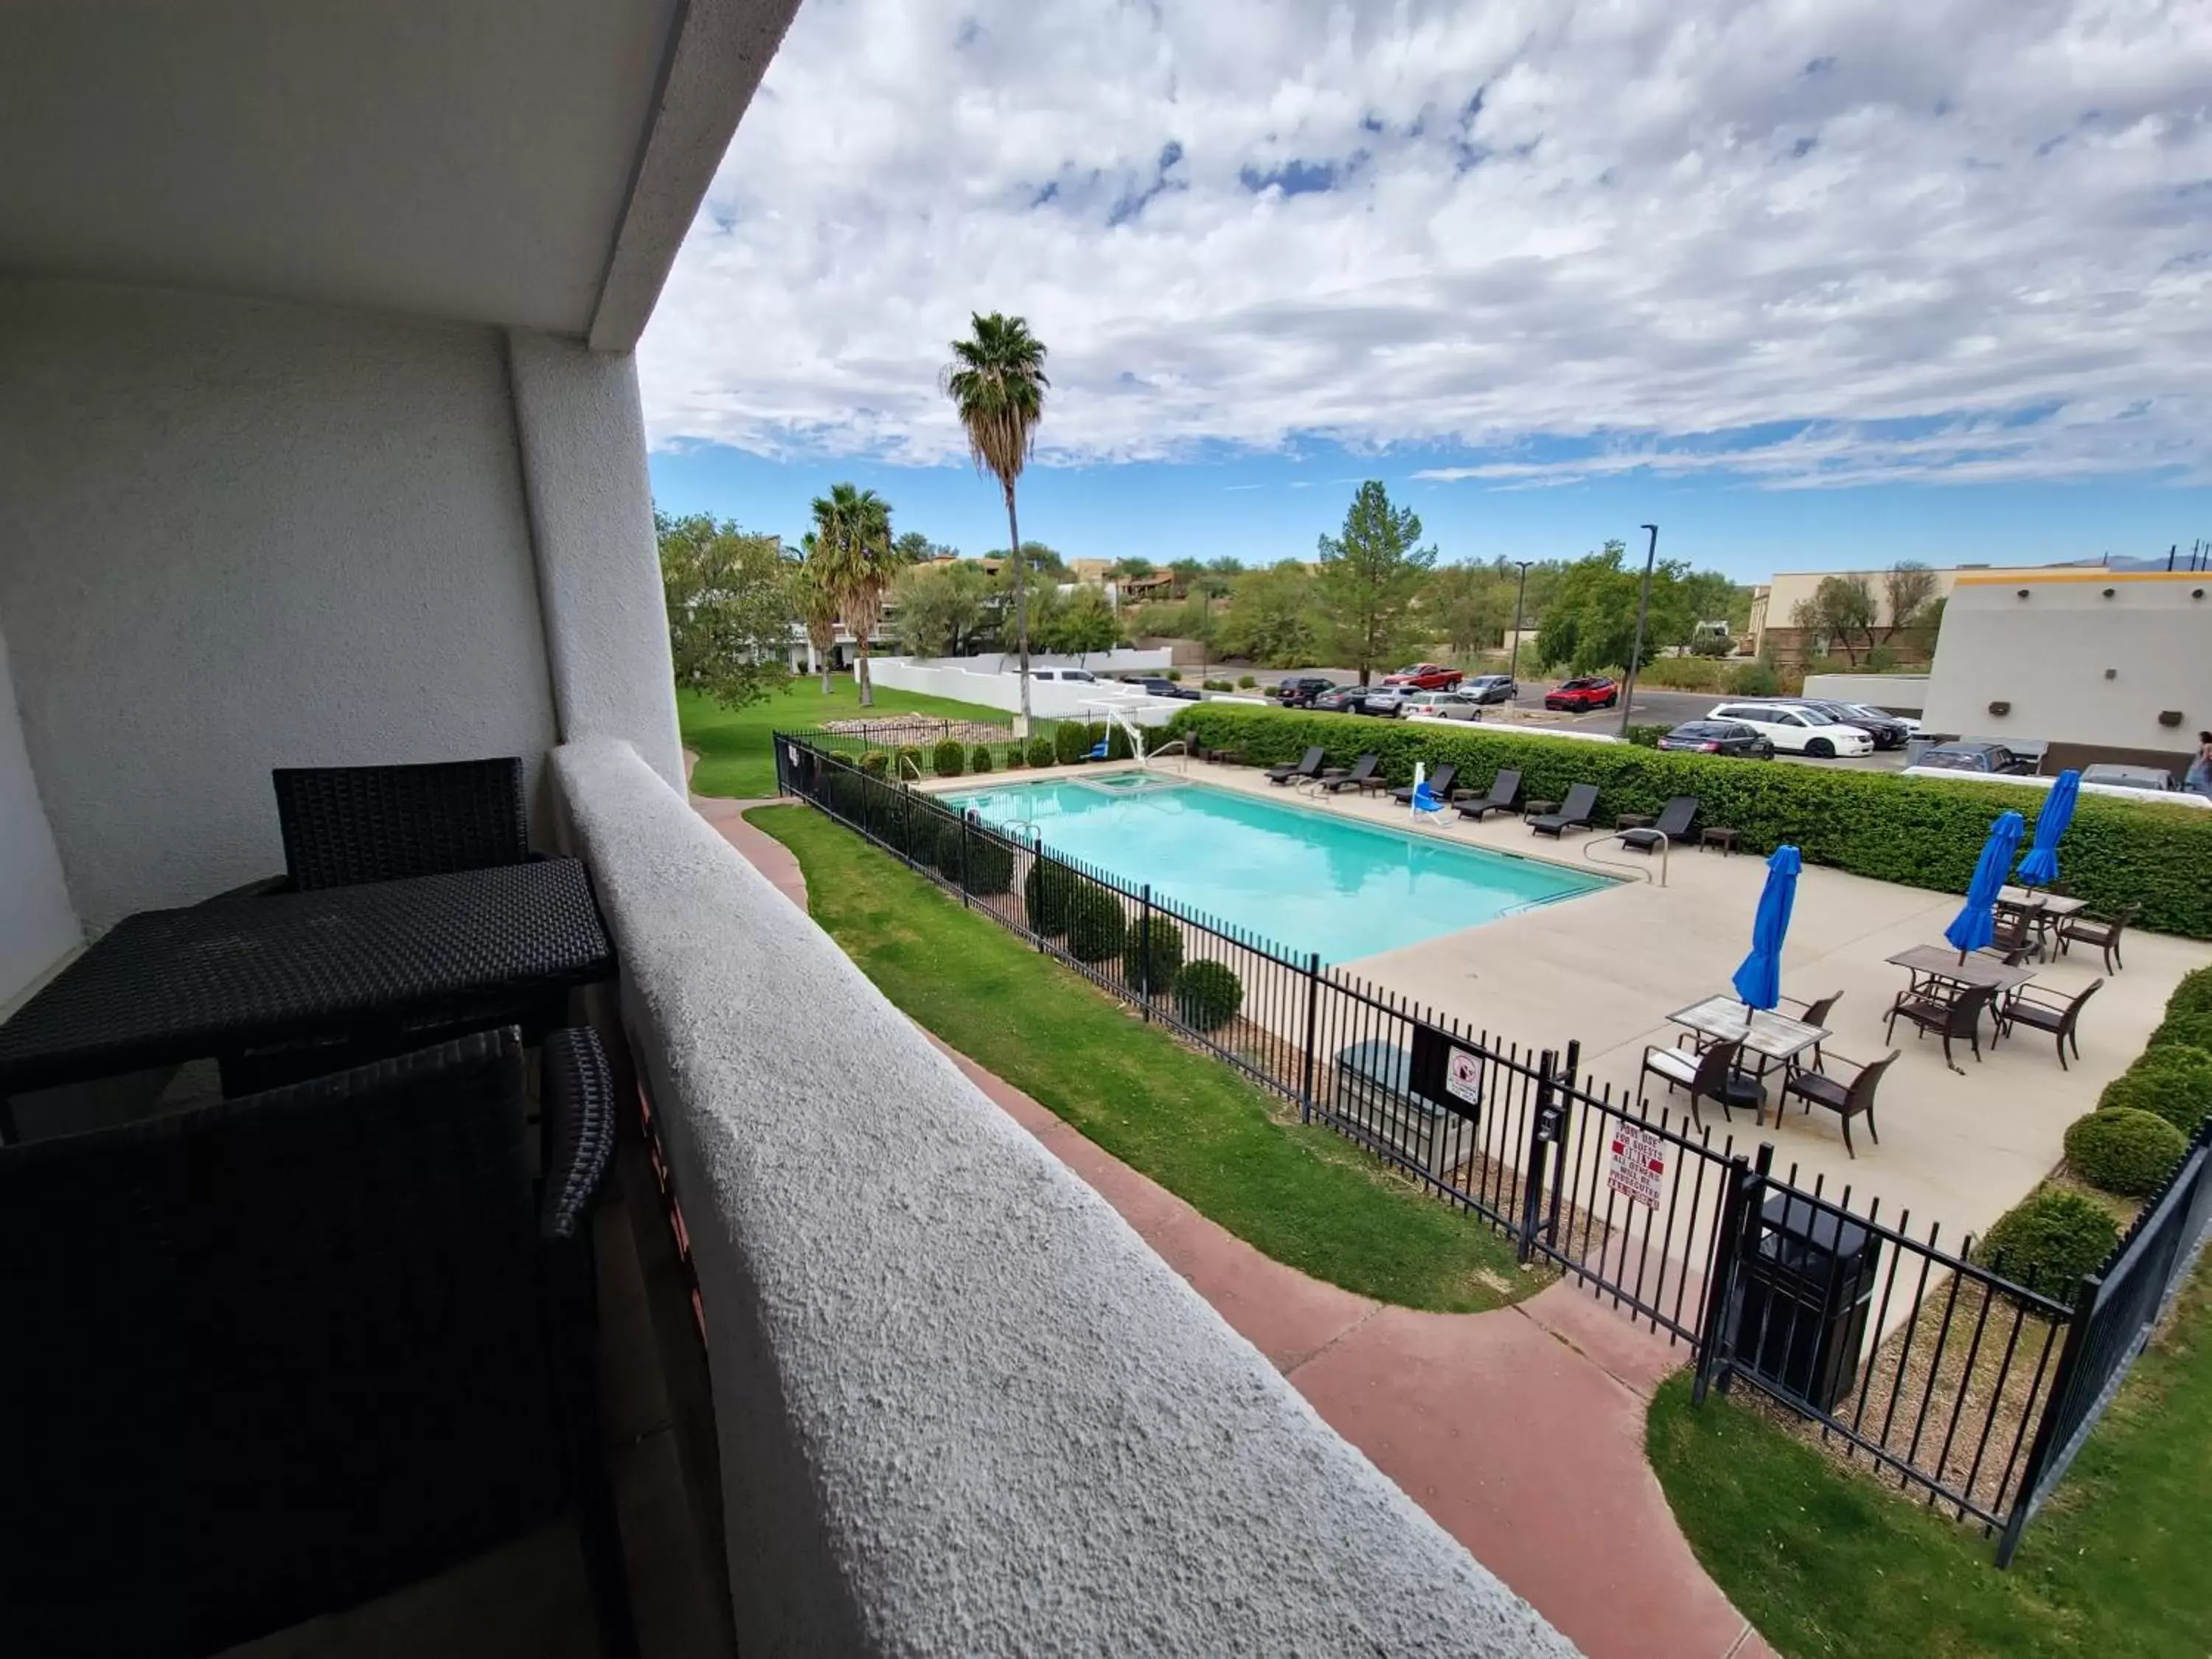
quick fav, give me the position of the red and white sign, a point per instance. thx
(1639, 1163)
(1463, 1076)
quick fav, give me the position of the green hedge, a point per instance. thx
(1044, 892)
(1071, 742)
(2123, 1150)
(948, 757)
(1207, 995)
(2193, 995)
(1152, 954)
(2174, 1082)
(1096, 923)
(2184, 1031)
(1922, 832)
(1040, 751)
(979, 758)
(2050, 1241)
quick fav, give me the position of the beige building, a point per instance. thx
(2100, 664)
(1774, 603)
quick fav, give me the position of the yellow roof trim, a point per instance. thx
(2106, 576)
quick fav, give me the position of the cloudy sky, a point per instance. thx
(1791, 276)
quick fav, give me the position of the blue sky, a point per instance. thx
(1808, 284)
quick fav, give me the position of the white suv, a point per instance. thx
(1795, 730)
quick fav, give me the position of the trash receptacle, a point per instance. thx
(1802, 1300)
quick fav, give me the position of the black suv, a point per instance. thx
(1156, 688)
(1300, 692)
(1975, 757)
(1887, 732)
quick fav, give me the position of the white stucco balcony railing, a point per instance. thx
(962, 1408)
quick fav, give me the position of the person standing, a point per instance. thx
(2200, 770)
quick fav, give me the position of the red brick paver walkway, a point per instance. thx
(1522, 1431)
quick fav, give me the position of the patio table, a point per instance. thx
(241, 972)
(1772, 1037)
(1941, 962)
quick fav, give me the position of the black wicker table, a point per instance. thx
(244, 972)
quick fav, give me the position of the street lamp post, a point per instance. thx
(1513, 668)
(1642, 606)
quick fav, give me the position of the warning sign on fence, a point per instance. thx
(1639, 1162)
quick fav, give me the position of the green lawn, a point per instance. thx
(734, 743)
(1299, 1193)
(1825, 1563)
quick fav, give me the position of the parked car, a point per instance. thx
(1886, 730)
(2128, 777)
(1169, 688)
(1386, 701)
(1340, 699)
(1461, 705)
(1974, 757)
(1797, 730)
(1492, 687)
(1424, 677)
(1588, 691)
(1300, 691)
(1080, 676)
(1719, 737)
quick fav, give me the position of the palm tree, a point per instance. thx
(853, 527)
(996, 380)
(814, 597)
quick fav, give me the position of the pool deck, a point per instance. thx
(1607, 968)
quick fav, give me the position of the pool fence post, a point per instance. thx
(1720, 1278)
(965, 855)
(1542, 1130)
(1573, 1070)
(1144, 954)
(1313, 1015)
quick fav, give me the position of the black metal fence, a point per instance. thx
(1934, 1366)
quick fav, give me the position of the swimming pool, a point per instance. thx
(1303, 878)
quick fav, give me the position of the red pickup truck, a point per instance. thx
(1424, 677)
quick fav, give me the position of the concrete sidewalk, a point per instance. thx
(1521, 1431)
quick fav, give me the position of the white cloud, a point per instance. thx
(1660, 220)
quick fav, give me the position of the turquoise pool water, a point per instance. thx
(1298, 876)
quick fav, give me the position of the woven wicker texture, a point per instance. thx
(278, 1356)
(174, 985)
(343, 824)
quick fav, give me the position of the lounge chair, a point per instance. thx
(1847, 1100)
(1440, 785)
(1308, 768)
(1709, 1075)
(2046, 1011)
(1505, 790)
(1361, 776)
(1579, 811)
(1673, 824)
(1950, 1010)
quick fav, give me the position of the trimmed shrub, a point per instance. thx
(1922, 832)
(979, 758)
(947, 758)
(2184, 1031)
(1753, 679)
(947, 846)
(1207, 995)
(1246, 682)
(1071, 742)
(1154, 953)
(908, 762)
(1097, 924)
(1218, 685)
(990, 864)
(1044, 894)
(2050, 1241)
(1015, 760)
(1647, 737)
(2193, 995)
(1175, 675)
(1117, 743)
(2174, 1083)
(1041, 751)
(875, 762)
(2123, 1150)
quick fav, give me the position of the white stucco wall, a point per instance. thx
(38, 925)
(237, 535)
(961, 1407)
(978, 680)
(2090, 657)
(582, 440)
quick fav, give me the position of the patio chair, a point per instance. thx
(1440, 785)
(1673, 825)
(1815, 1013)
(1308, 768)
(1708, 1073)
(1847, 1100)
(1361, 776)
(346, 825)
(2103, 933)
(1950, 1010)
(1505, 790)
(2046, 1010)
(283, 1355)
(1577, 811)
(2012, 936)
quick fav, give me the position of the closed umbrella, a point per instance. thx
(2040, 867)
(1759, 982)
(1976, 924)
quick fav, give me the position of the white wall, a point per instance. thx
(237, 535)
(1900, 694)
(38, 926)
(2087, 658)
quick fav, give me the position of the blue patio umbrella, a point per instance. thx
(2040, 867)
(1976, 924)
(1759, 982)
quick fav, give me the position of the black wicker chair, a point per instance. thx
(1846, 1100)
(2059, 1017)
(2099, 933)
(1950, 1010)
(343, 824)
(278, 1357)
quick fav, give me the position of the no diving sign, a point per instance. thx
(1639, 1163)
